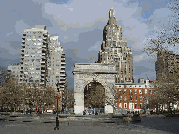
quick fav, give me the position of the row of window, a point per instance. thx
(130, 106)
(131, 98)
(39, 40)
(135, 91)
(26, 68)
(33, 43)
(40, 32)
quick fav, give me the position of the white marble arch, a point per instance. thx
(85, 73)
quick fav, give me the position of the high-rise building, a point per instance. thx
(56, 64)
(33, 56)
(167, 64)
(114, 50)
(42, 59)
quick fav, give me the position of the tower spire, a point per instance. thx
(111, 13)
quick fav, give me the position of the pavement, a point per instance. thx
(44, 124)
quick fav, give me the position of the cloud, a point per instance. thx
(96, 47)
(20, 26)
(80, 26)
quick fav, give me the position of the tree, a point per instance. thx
(11, 93)
(48, 96)
(94, 95)
(68, 100)
(167, 38)
(111, 97)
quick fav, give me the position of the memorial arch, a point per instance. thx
(85, 73)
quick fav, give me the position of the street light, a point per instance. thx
(57, 121)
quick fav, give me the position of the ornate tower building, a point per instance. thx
(114, 50)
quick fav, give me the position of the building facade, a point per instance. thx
(167, 64)
(33, 55)
(134, 96)
(42, 61)
(167, 74)
(114, 50)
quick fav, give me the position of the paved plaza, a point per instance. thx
(88, 125)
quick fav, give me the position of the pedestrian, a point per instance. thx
(36, 111)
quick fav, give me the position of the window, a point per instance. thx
(140, 91)
(125, 105)
(120, 105)
(120, 98)
(135, 105)
(130, 98)
(37, 68)
(135, 98)
(120, 91)
(150, 91)
(145, 91)
(124, 91)
(135, 91)
(125, 98)
(26, 64)
(165, 106)
(130, 91)
(140, 105)
(140, 98)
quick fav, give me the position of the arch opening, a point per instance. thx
(94, 98)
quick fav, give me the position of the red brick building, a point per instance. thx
(134, 96)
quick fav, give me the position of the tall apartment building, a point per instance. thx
(114, 50)
(56, 64)
(42, 59)
(33, 56)
(167, 64)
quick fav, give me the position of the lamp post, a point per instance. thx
(57, 121)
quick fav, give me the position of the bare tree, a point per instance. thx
(68, 100)
(48, 97)
(10, 93)
(166, 87)
(167, 38)
(94, 95)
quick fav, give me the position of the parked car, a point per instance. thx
(49, 111)
(121, 111)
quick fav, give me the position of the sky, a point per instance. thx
(79, 25)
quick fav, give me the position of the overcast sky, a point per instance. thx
(79, 25)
